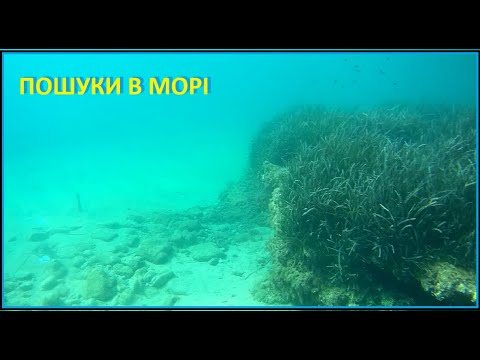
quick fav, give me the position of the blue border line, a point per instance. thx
(237, 52)
(476, 229)
(122, 52)
(241, 307)
(3, 162)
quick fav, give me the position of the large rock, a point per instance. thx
(449, 284)
(45, 234)
(99, 286)
(49, 283)
(40, 235)
(161, 279)
(123, 270)
(154, 252)
(133, 261)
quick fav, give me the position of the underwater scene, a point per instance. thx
(289, 179)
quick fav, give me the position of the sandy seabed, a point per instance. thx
(181, 258)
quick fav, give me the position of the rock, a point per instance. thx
(99, 286)
(49, 283)
(24, 276)
(88, 253)
(40, 236)
(213, 262)
(26, 286)
(160, 280)
(137, 286)
(135, 262)
(123, 270)
(45, 234)
(274, 175)
(449, 284)
(171, 300)
(183, 238)
(104, 235)
(154, 252)
(9, 286)
(149, 275)
(65, 229)
(206, 252)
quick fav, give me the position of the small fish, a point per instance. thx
(395, 83)
(357, 70)
(356, 66)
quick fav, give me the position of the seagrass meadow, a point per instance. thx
(370, 208)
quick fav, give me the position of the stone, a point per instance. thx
(154, 252)
(214, 261)
(104, 235)
(160, 280)
(449, 284)
(49, 283)
(45, 234)
(205, 252)
(40, 236)
(24, 276)
(123, 270)
(9, 286)
(26, 286)
(171, 300)
(135, 262)
(99, 286)
(137, 286)
(88, 253)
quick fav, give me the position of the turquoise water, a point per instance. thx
(75, 165)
